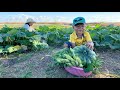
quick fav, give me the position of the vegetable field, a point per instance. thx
(31, 54)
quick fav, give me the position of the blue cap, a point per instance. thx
(78, 20)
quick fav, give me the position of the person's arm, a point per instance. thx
(90, 45)
(73, 45)
(31, 29)
(89, 42)
(72, 40)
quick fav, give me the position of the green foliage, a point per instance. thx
(106, 36)
(1, 49)
(5, 29)
(1, 39)
(19, 39)
(55, 35)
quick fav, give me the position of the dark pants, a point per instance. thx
(69, 44)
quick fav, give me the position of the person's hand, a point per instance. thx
(90, 45)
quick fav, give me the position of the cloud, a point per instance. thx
(89, 18)
(17, 18)
(103, 18)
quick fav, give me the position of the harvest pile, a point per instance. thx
(79, 56)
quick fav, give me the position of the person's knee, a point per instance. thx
(68, 44)
(65, 45)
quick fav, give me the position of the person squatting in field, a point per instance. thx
(80, 35)
(28, 25)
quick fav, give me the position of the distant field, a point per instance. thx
(18, 25)
(14, 24)
(35, 25)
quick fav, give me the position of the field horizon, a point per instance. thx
(65, 23)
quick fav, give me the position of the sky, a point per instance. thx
(59, 16)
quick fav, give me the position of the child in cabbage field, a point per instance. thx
(79, 36)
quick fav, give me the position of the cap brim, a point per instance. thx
(79, 23)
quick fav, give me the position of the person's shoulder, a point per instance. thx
(72, 34)
(86, 32)
(26, 26)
